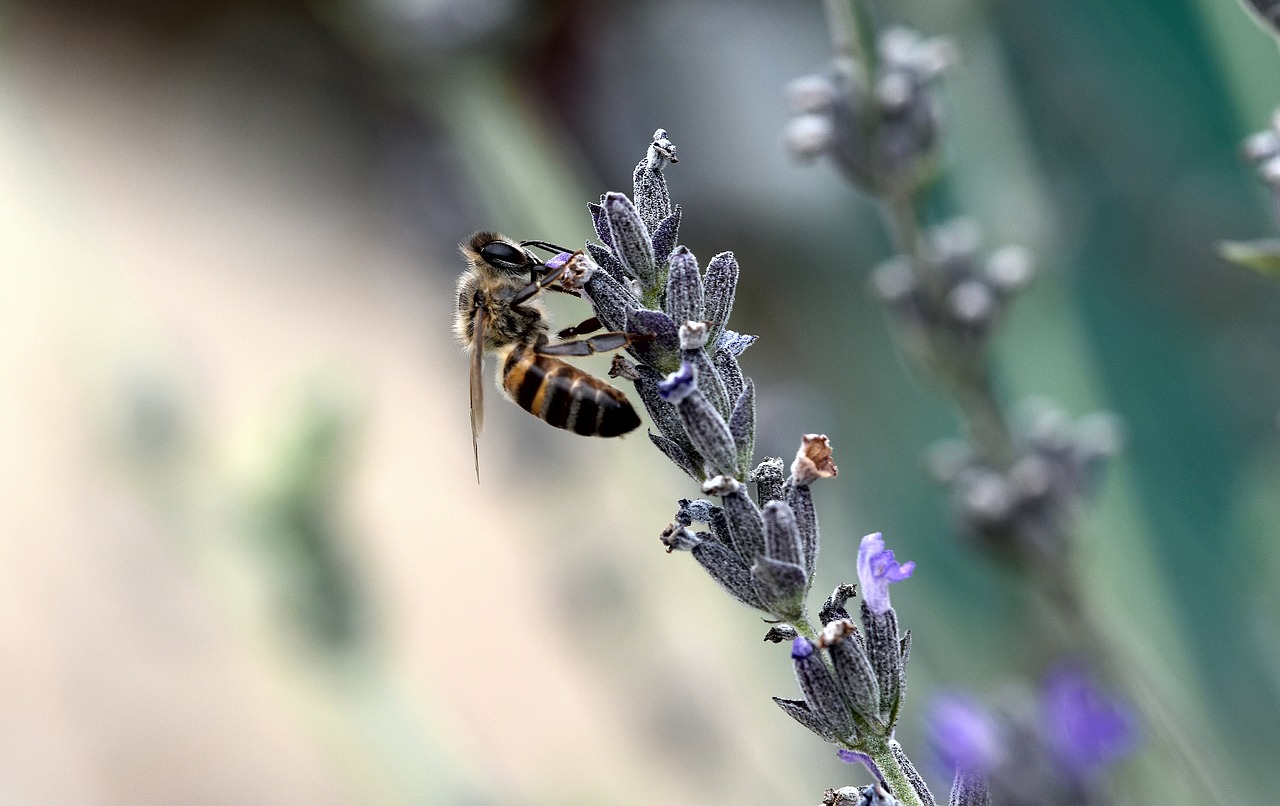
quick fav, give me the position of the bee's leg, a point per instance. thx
(602, 343)
(589, 326)
(540, 283)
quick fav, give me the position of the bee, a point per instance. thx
(498, 312)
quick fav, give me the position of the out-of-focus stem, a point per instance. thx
(846, 36)
(984, 420)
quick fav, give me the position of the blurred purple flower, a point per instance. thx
(964, 734)
(1085, 728)
(877, 569)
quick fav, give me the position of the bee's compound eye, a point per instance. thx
(504, 256)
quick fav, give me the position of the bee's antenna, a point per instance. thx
(546, 245)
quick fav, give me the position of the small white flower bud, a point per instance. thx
(811, 94)
(810, 136)
(1009, 268)
(972, 302)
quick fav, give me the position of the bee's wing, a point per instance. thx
(477, 384)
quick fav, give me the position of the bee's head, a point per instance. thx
(498, 253)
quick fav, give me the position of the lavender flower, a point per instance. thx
(881, 130)
(1047, 751)
(964, 734)
(1024, 509)
(947, 299)
(762, 551)
(1085, 728)
(877, 569)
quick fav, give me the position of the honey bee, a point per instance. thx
(498, 312)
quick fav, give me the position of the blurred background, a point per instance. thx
(245, 559)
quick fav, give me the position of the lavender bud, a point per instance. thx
(799, 711)
(1009, 268)
(705, 427)
(809, 136)
(894, 281)
(781, 538)
(610, 300)
(663, 413)
(662, 350)
(684, 287)
(709, 381)
(812, 93)
(800, 499)
(913, 775)
(746, 522)
(894, 90)
(884, 651)
(720, 282)
(653, 201)
(969, 789)
(853, 673)
(666, 234)
(767, 477)
(606, 260)
(985, 496)
(972, 302)
(897, 45)
(780, 585)
(819, 688)
(729, 372)
(742, 425)
(1031, 476)
(677, 386)
(677, 454)
(728, 570)
(630, 238)
(601, 224)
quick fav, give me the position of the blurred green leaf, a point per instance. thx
(1262, 256)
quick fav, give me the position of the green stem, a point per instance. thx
(805, 627)
(878, 749)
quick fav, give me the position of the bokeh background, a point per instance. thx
(244, 558)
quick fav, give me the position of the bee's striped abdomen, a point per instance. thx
(562, 395)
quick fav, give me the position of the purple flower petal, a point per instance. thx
(801, 648)
(1085, 727)
(964, 734)
(877, 568)
(559, 260)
